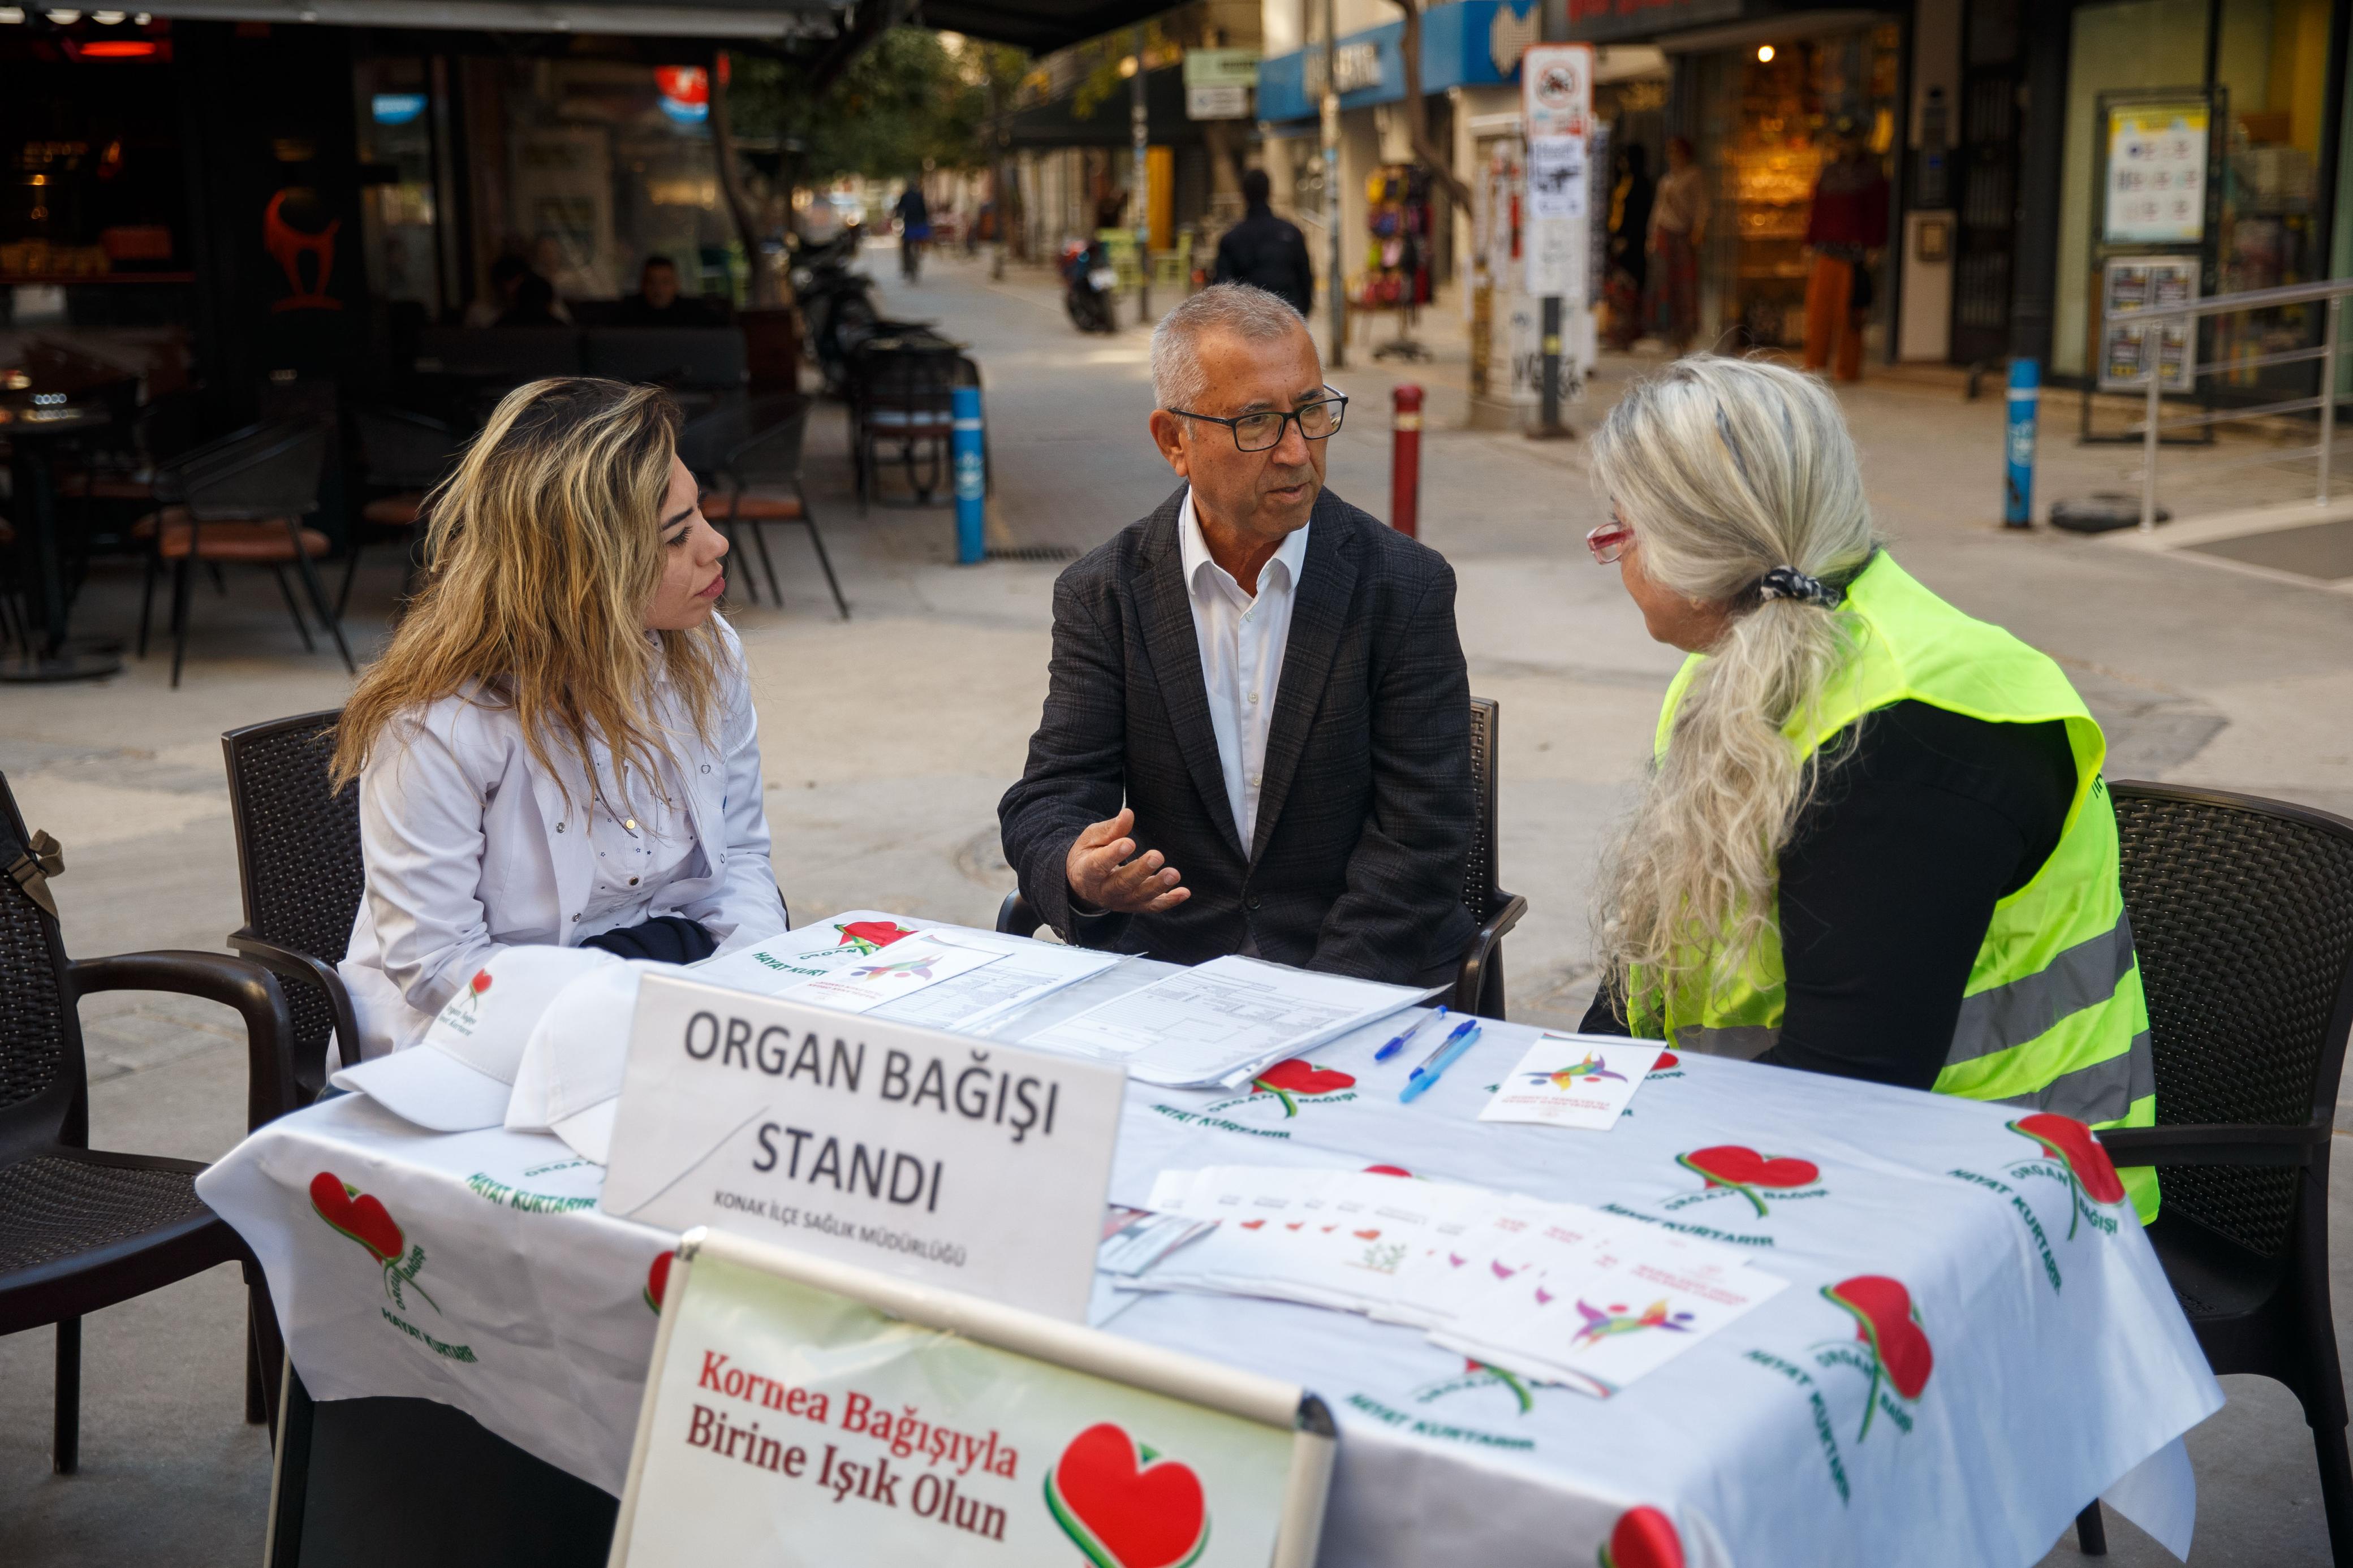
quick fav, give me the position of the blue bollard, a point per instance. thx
(2025, 394)
(971, 478)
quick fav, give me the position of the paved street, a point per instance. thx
(888, 740)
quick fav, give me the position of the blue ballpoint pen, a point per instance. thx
(1394, 1047)
(1446, 1056)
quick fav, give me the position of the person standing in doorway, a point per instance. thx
(1266, 252)
(1678, 226)
(1847, 228)
(1629, 226)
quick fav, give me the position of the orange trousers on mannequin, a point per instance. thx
(1833, 330)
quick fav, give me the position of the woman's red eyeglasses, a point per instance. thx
(1609, 541)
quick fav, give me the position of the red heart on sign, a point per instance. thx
(1643, 1538)
(1733, 1165)
(2073, 1142)
(1123, 1507)
(357, 1215)
(1882, 1313)
(1298, 1078)
(657, 1280)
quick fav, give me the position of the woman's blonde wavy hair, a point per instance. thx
(1725, 469)
(542, 553)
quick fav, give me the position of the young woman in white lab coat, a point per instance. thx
(559, 746)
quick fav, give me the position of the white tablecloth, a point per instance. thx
(2060, 1358)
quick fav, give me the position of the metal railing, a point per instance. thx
(2152, 425)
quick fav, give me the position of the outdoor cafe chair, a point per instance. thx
(1479, 978)
(242, 499)
(746, 456)
(299, 870)
(2242, 916)
(902, 391)
(404, 455)
(82, 1229)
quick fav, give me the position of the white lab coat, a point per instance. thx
(470, 846)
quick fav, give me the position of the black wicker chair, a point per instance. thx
(1479, 982)
(82, 1229)
(746, 456)
(2243, 915)
(298, 855)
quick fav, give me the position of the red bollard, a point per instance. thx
(1404, 460)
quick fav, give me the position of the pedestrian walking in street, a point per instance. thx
(1846, 229)
(1257, 729)
(1865, 806)
(1265, 251)
(1678, 226)
(559, 747)
(914, 216)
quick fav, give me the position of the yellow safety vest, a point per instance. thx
(2052, 1017)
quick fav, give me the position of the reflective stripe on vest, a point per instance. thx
(2053, 1017)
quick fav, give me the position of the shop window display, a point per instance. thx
(1770, 119)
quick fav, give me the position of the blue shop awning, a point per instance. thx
(1467, 43)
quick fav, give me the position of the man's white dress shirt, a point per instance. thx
(1243, 640)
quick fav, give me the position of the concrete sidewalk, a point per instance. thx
(888, 739)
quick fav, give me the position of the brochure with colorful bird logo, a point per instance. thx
(900, 970)
(1573, 1080)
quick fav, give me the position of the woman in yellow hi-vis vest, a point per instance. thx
(1875, 842)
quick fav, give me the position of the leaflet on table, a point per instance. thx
(787, 959)
(1555, 1292)
(977, 998)
(1222, 1021)
(908, 966)
(1573, 1080)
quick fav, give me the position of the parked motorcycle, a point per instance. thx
(836, 304)
(1089, 280)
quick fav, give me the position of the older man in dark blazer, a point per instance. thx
(1256, 736)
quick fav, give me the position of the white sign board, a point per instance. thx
(2157, 173)
(2130, 283)
(968, 1165)
(1557, 90)
(1217, 101)
(802, 1413)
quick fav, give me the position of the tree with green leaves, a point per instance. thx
(916, 99)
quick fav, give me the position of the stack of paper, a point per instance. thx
(943, 977)
(1554, 1291)
(1224, 1021)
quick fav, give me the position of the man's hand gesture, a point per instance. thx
(1107, 881)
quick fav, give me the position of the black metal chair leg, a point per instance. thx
(2092, 1531)
(317, 596)
(768, 567)
(182, 578)
(285, 592)
(350, 570)
(220, 583)
(146, 599)
(840, 604)
(2336, 1487)
(66, 1456)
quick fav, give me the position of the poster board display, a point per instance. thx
(2129, 283)
(2157, 171)
(802, 1412)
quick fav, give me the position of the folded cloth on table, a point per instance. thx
(459, 1075)
(569, 1079)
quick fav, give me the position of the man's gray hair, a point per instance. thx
(1252, 314)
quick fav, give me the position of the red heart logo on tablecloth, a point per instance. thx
(1733, 1165)
(1293, 1224)
(2069, 1139)
(1367, 1235)
(1125, 1507)
(1642, 1538)
(873, 933)
(657, 1280)
(1886, 1321)
(357, 1215)
(1387, 1171)
(1666, 1059)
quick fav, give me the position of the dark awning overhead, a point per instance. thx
(1038, 26)
(778, 20)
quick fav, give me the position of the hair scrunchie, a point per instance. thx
(1788, 582)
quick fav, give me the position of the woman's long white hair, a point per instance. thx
(1725, 469)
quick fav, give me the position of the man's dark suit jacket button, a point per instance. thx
(1251, 903)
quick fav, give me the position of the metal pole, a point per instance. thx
(1335, 284)
(1548, 403)
(1140, 128)
(2329, 394)
(2151, 346)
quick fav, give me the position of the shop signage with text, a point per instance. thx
(933, 1156)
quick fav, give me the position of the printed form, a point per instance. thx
(1224, 1020)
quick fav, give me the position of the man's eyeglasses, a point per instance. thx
(1258, 432)
(1609, 541)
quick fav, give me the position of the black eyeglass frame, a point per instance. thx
(1288, 415)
